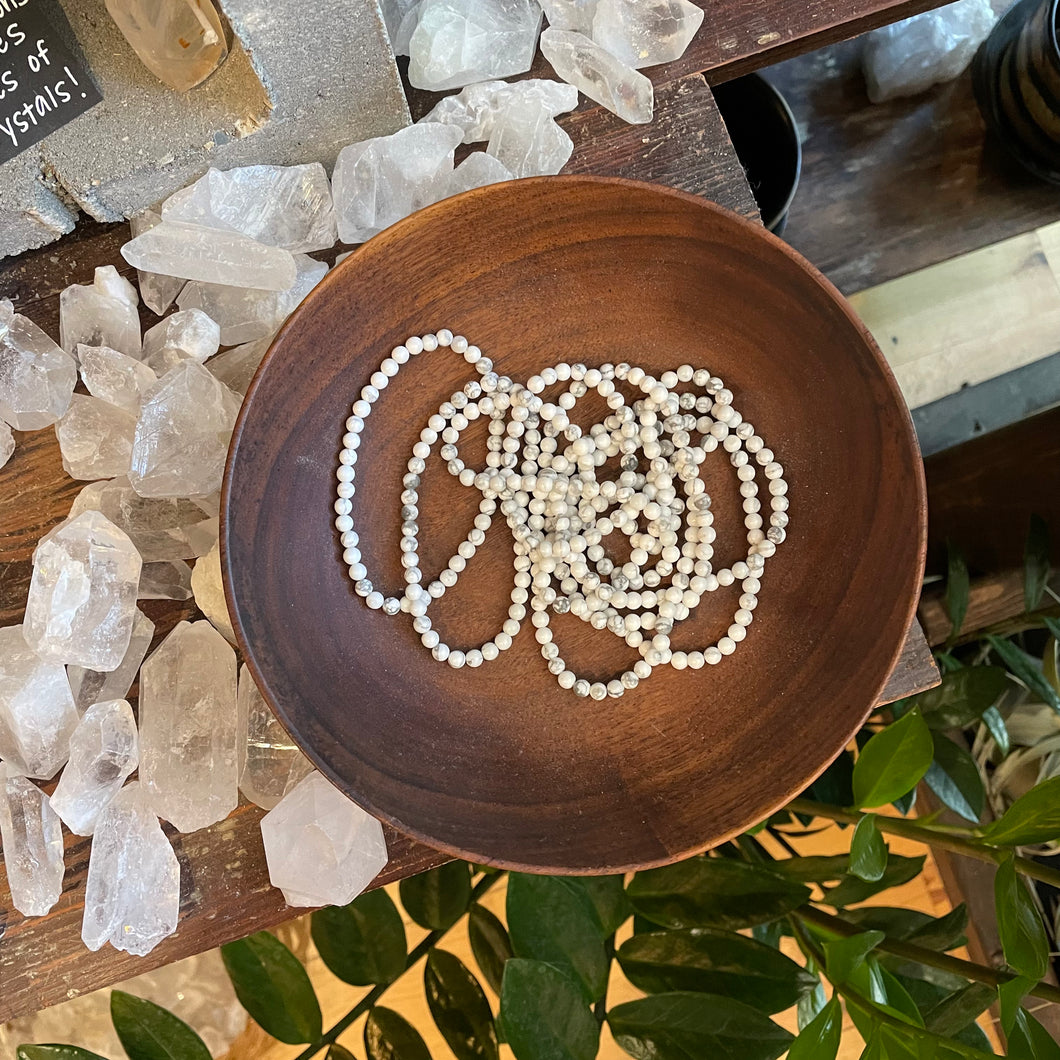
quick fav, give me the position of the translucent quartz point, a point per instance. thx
(645, 32)
(210, 255)
(270, 764)
(181, 42)
(189, 764)
(458, 42)
(281, 206)
(182, 434)
(236, 367)
(82, 596)
(598, 74)
(33, 844)
(37, 713)
(7, 443)
(102, 314)
(209, 592)
(132, 894)
(97, 686)
(379, 181)
(103, 752)
(114, 377)
(570, 14)
(157, 291)
(528, 142)
(321, 848)
(476, 171)
(95, 438)
(187, 334)
(475, 109)
(36, 376)
(165, 581)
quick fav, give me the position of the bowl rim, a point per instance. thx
(756, 230)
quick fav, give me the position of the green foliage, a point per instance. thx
(489, 943)
(389, 1036)
(1029, 1040)
(892, 762)
(957, 589)
(910, 925)
(1021, 665)
(954, 777)
(820, 1039)
(438, 898)
(868, 851)
(962, 696)
(1022, 932)
(339, 1052)
(852, 889)
(363, 943)
(1035, 563)
(1032, 818)
(459, 1007)
(54, 1052)
(545, 1015)
(843, 957)
(149, 1032)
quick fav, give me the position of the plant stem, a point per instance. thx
(373, 995)
(980, 973)
(944, 840)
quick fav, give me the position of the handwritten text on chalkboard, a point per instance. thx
(43, 85)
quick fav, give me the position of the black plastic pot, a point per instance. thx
(766, 139)
(1016, 76)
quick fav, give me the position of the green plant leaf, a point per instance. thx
(389, 1036)
(714, 893)
(810, 1006)
(934, 933)
(1032, 818)
(892, 762)
(843, 957)
(273, 987)
(339, 1052)
(868, 851)
(363, 943)
(888, 1043)
(682, 1026)
(608, 895)
(715, 962)
(1009, 996)
(1029, 1040)
(852, 890)
(899, 998)
(957, 589)
(1022, 932)
(962, 697)
(954, 777)
(1022, 666)
(833, 786)
(997, 728)
(54, 1052)
(820, 1039)
(459, 1007)
(816, 868)
(489, 943)
(554, 919)
(149, 1032)
(545, 1015)
(1035, 563)
(951, 1015)
(438, 898)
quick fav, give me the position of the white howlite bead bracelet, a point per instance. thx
(545, 475)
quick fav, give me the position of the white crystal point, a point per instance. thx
(400, 38)
(37, 713)
(321, 848)
(101, 314)
(161, 528)
(476, 171)
(270, 764)
(33, 844)
(165, 581)
(281, 206)
(474, 109)
(528, 141)
(570, 14)
(36, 376)
(115, 378)
(132, 894)
(458, 42)
(82, 596)
(157, 290)
(645, 32)
(182, 434)
(189, 764)
(187, 334)
(97, 686)
(7, 443)
(210, 255)
(236, 367)
(245, 314)
(209, 592)
(103, 752)
(598, 74)
(379, 181)
(95, 438)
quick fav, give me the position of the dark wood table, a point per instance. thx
(225, 892)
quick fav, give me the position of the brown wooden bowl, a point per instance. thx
(498, 764)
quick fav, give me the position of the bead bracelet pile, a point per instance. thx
(541, 474)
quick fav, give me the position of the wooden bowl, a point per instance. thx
(498, 764)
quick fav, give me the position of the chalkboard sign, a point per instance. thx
(43, 85)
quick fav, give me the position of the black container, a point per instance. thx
(763, 132)
(1016, 76)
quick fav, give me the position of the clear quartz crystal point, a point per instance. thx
(476, 171)
(169, 580)
(103, 752)
(114, 377)
(570, 14)
(209, 592)
(599, 75)
(236, 367)
(95, 438)
(182, 42)
(321, 848)
(645, 32)
(157, 291)
(132, 894)
(7, 443)
(475, 109)
(33, 844)
(180, 336)
(97, 686)
(102, 313)
(37, 377)
(528, 142)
